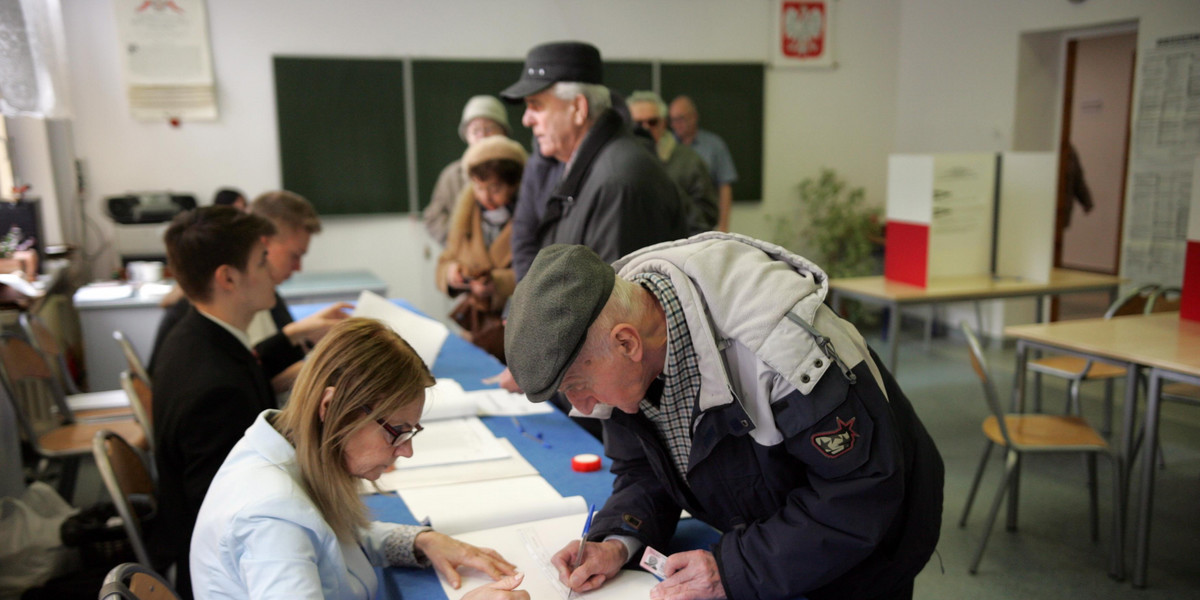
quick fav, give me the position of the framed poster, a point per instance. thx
(803, 33)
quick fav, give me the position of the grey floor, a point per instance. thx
(1050, 555)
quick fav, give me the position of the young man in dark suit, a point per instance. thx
(208, 384)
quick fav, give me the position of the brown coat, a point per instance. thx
(464, 245)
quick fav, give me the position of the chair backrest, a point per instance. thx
(1133, 303)
(1166, 299)
(131, 356)
(142, 402)
(47, 343)
(125, 476)
(31, 384)
(131, 581)
(979, 363)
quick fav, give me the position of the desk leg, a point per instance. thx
(1037, 377)
(1149, 454)
(1128, 433)
(893, 337)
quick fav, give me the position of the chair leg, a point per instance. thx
(987, 453)
(1106, 430)
(67, 474)
(1093, 497)
(1010, 472)
(1073, 405)
(1014, 493)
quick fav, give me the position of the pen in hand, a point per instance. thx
(587, 525)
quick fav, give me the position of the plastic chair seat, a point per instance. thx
(77, 438)
(1071, 367)
(1034, 432)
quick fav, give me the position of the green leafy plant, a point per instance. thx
(833, 226)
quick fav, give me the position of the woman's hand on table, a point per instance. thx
(500, 590)
(447, 554)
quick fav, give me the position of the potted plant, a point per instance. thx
(833, 226)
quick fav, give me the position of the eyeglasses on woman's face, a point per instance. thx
(397, 436)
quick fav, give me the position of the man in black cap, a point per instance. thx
(614, 196)
(742, 398)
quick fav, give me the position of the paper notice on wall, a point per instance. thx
(166, 59)
(1166, 142)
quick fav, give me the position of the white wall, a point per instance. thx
(958, 80)
(841, 118)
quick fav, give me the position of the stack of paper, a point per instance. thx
(453, 441)
(448, 400)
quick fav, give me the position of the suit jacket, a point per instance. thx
(276, 352)
(207, 388)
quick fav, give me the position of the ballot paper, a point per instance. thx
(530, 545)
(447, 400)
(425, 335)
(513, 466)
(453, 441)
(502, 403)
(458, 508)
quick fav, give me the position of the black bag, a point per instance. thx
(99, 534)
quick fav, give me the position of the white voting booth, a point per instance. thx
(977, 214)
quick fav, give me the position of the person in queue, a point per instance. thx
(283, 517)
(476, 265)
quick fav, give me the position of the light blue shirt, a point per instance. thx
(258, 535)
(715, 153)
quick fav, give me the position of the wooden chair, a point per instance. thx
(131, 356)
(1021, 434)
(131, 581)
(142, 401)
(126, 477)
(1077, 370)
(49, 427)
(86, 407)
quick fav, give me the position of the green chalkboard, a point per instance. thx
(341, 133)
(624, 77)
(729, 97)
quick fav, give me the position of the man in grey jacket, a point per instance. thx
(740, 397)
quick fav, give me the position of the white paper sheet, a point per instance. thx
(529, 546)
(425, 335)
(458, 508)
(502, 403)
(453, 441)
(513, 466)
(98, 400)
(447, 400)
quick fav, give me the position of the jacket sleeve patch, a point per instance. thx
(836, 442)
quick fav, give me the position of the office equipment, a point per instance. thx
(139, 221)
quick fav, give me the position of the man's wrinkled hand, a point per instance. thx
(691, 576)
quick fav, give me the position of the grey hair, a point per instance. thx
(597, 96)
(648, 96)
(623, 306)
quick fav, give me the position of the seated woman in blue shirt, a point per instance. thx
(283, 517)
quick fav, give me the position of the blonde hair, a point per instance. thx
(369, 367)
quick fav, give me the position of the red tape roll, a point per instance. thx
(585, 462)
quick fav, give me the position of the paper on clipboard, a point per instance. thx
(425, 335)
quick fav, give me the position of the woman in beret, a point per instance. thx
(477, 261)
(283, 517)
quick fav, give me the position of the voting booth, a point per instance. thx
(959, 215)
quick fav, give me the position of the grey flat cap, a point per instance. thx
(552, 308)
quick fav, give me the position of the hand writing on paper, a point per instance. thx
(500, 590)
(601, 561)
(692, 576)
(505, 380)
(447, 554)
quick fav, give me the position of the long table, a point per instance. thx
(468, 365)
(894, 295)
(1163, 342)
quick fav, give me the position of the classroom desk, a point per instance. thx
(1163, 342)
(894, 295)
(137, 315)
(468, 365)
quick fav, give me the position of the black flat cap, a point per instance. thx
(552, 308)
(550, 63)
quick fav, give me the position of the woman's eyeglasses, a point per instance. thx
(397, 436)
(647, 123)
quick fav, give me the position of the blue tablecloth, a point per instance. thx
(469, 365)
